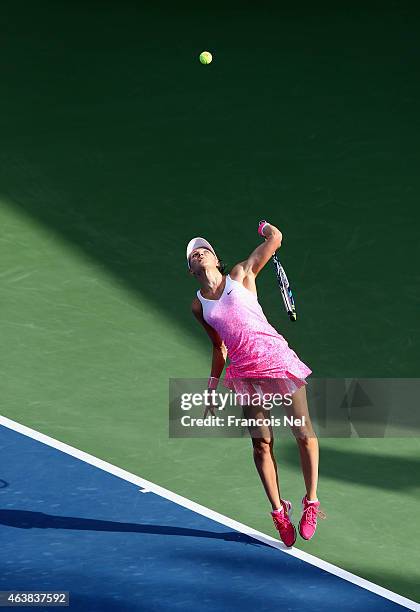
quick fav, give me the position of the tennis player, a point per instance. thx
(261, 362)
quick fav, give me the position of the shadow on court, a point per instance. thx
(125, 146)
(391, 472)
(25, 519)
(118, 142)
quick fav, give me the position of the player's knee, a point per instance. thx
(303, 435)
(262, 446)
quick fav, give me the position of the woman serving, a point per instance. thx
(261, 361)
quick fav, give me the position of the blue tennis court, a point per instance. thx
(67, 525)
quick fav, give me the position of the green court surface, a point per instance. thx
(117, 146)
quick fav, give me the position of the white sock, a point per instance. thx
(278, 510)
(311, 501)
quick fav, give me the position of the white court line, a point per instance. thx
(211, 514)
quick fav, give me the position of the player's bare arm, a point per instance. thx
(219, 348)
(246, 271)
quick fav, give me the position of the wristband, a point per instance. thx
(261, 227)
(212, 383)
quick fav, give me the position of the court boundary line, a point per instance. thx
(149, 486)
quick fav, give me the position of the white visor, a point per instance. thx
(196, 243)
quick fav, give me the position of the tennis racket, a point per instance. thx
(285, 290)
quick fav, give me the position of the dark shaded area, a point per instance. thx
(115, 137)
(26, 519)
(387, 472)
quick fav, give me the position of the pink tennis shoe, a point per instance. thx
(308, 521)
(283, 524)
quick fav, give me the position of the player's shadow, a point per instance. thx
(376, 471)
(26, 519)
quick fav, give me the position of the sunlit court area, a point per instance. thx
(268, 138)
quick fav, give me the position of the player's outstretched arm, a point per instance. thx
(264, 252)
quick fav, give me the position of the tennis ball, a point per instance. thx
(205, 57)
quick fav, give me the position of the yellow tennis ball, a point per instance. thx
(205, 57)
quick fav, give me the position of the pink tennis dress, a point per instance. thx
(258, 354)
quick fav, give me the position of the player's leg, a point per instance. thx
(306, 440)
(309, 457)
(262, 443)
